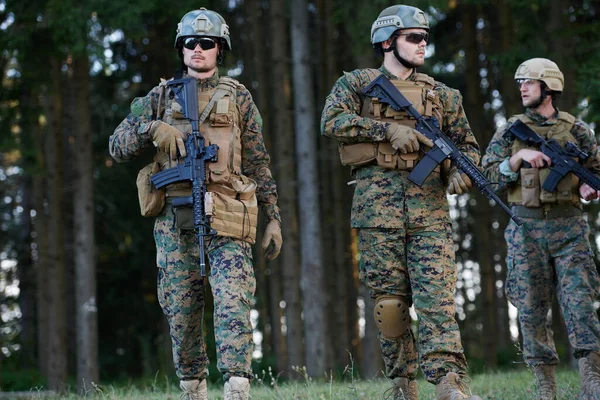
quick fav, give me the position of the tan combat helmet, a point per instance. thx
(397, 17)
(203, 22)
(544, 70)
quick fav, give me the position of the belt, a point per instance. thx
(547, 212)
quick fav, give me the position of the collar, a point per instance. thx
(208, 83)
(539, 119)
(389, 75)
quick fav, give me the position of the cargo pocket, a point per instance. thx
(530, 187)
(408, 161)
(357, 155)
(151, 199)
(387, 156)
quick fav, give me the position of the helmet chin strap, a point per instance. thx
(400, 59)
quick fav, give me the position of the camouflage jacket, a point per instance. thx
(500, 148)
(132, 137)
(385, 198)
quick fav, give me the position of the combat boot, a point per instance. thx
(194, 390)
(452, 387)
(545, 381)
(589, 373)
(403, 389)
(237, 388)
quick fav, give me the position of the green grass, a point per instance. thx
(490, 386)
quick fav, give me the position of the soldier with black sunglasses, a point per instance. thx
(405, 235)
(238, 182)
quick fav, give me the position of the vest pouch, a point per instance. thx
(151, 199)
(407, 161)
(387, 156)
(235, 211)
(564, 193)
(546, 196)
(357, 155)
(184, 217)
(530, 187)
(220, 171)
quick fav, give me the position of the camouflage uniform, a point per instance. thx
(405, 236)
(544, 257)
(180, 287)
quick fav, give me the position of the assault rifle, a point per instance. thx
(443, 147)
(194, 167)
(562, 161)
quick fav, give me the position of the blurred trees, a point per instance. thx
(69, 215)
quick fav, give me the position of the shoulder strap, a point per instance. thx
(226, 86)
(426, 79)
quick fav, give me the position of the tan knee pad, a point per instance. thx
(391, 316)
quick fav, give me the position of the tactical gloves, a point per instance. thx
(272, 234)
(406, 139)
(167, 139)
(458, 183)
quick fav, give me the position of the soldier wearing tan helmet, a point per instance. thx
(238, 183)
(550, 254)
(405, 236)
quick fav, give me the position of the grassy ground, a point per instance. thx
(492, 386)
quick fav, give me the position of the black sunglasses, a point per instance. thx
(204, 42)
(416, 37)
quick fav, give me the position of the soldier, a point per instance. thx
(239, 181)
(550, 253)
(405, 236)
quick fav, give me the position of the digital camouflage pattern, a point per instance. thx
(180, 287)
(547, 257)
(182, 298)
(405, 238)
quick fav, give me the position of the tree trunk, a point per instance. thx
(284, 171)
(85, 266)
(56, 300)
(308, 196)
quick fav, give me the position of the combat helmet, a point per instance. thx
(203, 22)
(544, 70)
(397, 17)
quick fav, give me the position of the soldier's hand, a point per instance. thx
(458, 183)
(168, 139)
(588, 193)
(406, 139)
(272, 239)
(535, 158)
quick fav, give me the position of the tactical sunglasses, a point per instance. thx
(204, 42)
(416, 37)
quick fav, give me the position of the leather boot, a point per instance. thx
(589, 373)
(194, 390)
(453, 387)
(545, 381)
(237, 388)
(404, 389)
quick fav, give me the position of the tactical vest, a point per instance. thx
(422, 96)
(528, 191)
(231, 202)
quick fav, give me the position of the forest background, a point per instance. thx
(77, 261)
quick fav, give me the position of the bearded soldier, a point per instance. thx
(550, 253)
(237, 183)
(405, 237)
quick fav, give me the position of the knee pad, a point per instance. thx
(391, 316)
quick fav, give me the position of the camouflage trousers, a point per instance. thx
(547, 257)
(181, 296)
(418, 265)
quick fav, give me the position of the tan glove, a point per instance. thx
(406, 139)
(458, 183)
(167, 139)
(272, 234)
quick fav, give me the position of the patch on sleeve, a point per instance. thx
(141, 107)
